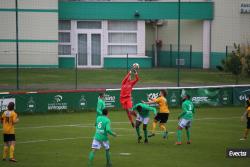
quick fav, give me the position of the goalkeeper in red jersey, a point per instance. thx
(125, 95)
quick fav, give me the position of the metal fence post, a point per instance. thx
(127, 62)
(171, 58)
(17, 47)
(190, 59)
(179, 29)
(76, 72)
(226, 51)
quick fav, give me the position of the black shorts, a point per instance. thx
(9, 137)
(248, 122)
(162, 117)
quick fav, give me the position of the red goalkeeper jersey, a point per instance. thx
(127, 86)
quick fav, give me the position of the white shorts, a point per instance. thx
(185, 123)
(143, 120)
(98, 144)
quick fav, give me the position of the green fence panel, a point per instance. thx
(240, 95)
(45, 102)
(210, 96)
(32, 102)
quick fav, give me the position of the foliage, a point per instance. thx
(237, 62)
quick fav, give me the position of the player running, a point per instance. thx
(185, 119)
(103, 128)
(143, 117)
(125, 95)
(100, 105)
(247, 116)
(9, 119)
(162, 115)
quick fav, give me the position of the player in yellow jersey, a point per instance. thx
(247, 116)
(9, 119)
(162, 115)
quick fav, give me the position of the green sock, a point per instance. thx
(179, 135)
(145, 134)
(108, 157)
(188, 135)
(138, 132)
(91, 158)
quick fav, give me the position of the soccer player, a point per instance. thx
(185, 119)
(143, 117)
(9, 119)
(247, 116)
(162, 115)
(103, 128)
(100, 105)
(125, 95)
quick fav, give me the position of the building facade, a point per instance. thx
(103, 34)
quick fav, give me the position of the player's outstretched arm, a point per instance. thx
(136, 79)
(149, 101)
(126, 77)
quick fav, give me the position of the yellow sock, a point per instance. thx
(12, 149)
(154, 126)
(163, 128)
(5, 151)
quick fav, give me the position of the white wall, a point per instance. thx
(229, 25)
(33, 25)
(191, 33)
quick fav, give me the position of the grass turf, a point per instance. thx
(64, 140)
(111, 76)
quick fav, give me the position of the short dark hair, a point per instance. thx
(105, 111)
(163, 92)
(11, 106)
(101, 94)
(188, 97)
(248, 102)
(139, 108)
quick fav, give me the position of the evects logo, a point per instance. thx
(238, 153)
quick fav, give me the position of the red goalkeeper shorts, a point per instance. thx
(126, 103)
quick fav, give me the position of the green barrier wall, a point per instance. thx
(31, 102)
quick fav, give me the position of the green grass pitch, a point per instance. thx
(64, 140)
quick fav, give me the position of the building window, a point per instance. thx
(89, 25)
(64, 47)
(122, 37)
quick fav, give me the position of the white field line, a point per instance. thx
(186, 87)
(89, 125)
(75, 138)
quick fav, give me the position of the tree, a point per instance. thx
(246, 58)
(233, 63)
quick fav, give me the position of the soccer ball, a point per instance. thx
(136, 66)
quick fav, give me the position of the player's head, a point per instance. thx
(248, 101)
(185, 97)
(163, 93)
(105, 112)
(11, 106)
(101, 95)
(139, 108)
